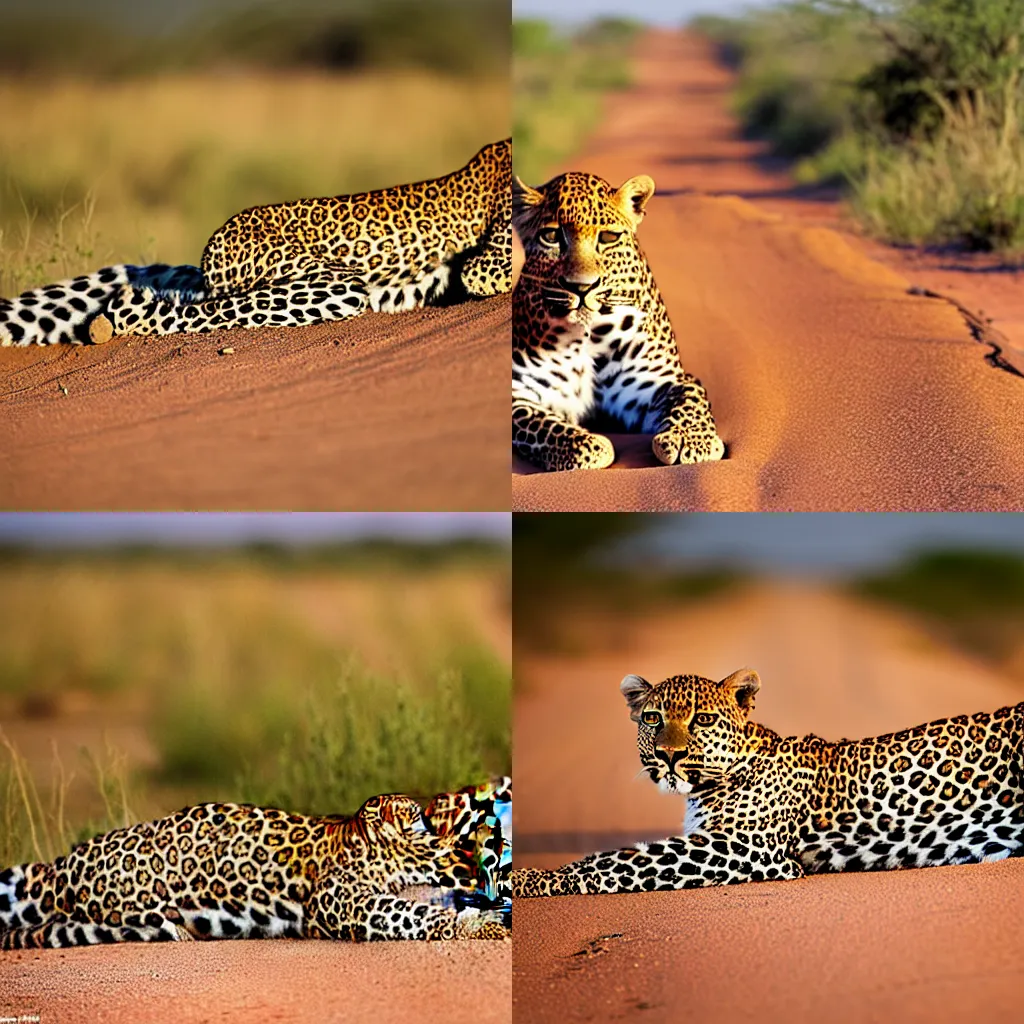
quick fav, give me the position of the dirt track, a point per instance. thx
(403, 412)
(935, 945)
(833, 388)
(279, 980)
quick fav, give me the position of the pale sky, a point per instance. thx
(820, 542)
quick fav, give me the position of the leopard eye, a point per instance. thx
(549, 236)
(704, 719)
(607, 237)
(651, 718)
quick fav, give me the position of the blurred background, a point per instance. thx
(858, 624)
(560, 71)
(910, 109)
(302, 661)
(133, 129)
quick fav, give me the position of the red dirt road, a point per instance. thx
(932, 945)
(271, 980)
(921, 946)
(833, 388)
(402, 412)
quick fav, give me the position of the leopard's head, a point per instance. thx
(691, 731)
(392, 816)
(396, 829)
(579, 240)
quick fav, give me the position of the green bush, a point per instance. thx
(973, 598)
(912, 103)
(369, 736)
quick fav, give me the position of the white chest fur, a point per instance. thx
(580, 354)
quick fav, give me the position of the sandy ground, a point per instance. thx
(912, 945)
(271, 980)
(403, 412)
(832, 386)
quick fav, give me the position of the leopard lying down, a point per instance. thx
(302, 262)
(591, 338)
(393, 870)
(761, 807)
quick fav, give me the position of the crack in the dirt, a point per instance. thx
(594, 948)
(980, 327)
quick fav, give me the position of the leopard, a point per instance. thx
(592, 340)
(430, 243)
(394, 870)
(761, 807)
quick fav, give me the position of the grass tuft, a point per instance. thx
(964, 186)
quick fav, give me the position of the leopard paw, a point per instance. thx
(472, 923)
(672, 446)
(589, 451)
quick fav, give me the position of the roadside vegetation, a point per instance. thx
(559, 79)
(137, 683)
(569, 596)
(914, 105)
(128, 139)
(972, 599)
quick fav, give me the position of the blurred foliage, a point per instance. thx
(469, 37)
(914, 104)
(310, 679)
(558, 80)
(374, 553)
(974, 598)
(798, 68)
(568, 573)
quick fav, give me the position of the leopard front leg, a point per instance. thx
(699, 859)
(340, 908)
(552, 443)
(489, 271)
(680, 419)
(310, 300)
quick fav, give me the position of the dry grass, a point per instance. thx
(965, 186)
(93, 172)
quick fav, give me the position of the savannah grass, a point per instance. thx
(94, 171)
(132, 686)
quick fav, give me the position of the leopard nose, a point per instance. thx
(578, 287)
(672, 753)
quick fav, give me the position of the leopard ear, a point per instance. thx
(636, 690)
(523, 195)
(743, 685)
(633, 197)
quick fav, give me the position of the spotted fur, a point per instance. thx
(215, 871)
(763, 807)
(429, 243)
(591, 336)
